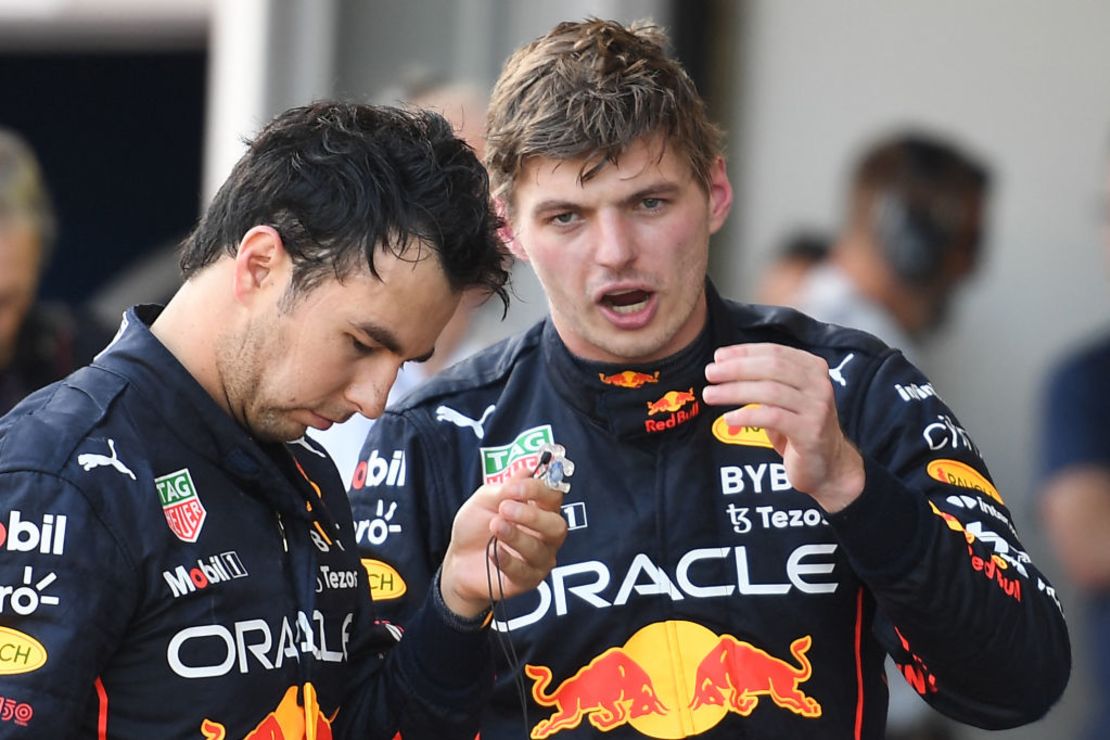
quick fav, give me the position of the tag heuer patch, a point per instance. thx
(498, 463)
(180, 503)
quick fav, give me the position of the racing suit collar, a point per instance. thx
(636, 400)
(194, 417)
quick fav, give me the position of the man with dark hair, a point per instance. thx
(179, 560)
(913, 234)
(762, 507)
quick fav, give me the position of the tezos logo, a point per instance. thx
(49, 537)
(498, 463)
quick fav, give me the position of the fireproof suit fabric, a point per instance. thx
(162, 575)
(697, 592)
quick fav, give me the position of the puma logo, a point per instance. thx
(835, 372)
(302, 442)
(446, 413)
(91, 460)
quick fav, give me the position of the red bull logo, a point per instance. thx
(675, 403)
(646, 683)
(629, 379)
(289, 721)
(993, 568)
(671, 401)
(738, 673)
(611, 690)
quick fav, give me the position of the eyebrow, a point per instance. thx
(388, 339)
(655, 189)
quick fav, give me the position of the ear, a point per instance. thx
(720, 195)
(506, 232)
(261, 264)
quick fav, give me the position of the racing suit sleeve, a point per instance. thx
(67, 590)
(402, 520)
(440, 673)
(431, 685)
(970, 621)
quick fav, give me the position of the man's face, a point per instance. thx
(19, 281)
(623, 256)
(334, 350)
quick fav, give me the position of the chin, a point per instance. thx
(636, 349)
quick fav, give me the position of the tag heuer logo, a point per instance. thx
(184, 512)
(498, 463)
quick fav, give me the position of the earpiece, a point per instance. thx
(914, 241)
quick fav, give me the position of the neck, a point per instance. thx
(192, 324)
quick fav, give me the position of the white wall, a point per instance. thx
(1026, 84)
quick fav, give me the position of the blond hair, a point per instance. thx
(24, 198)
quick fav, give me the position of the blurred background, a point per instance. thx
(137, 111)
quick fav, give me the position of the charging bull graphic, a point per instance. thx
(740, 673)
(289, 721)
(673, 679)
(671, 401)
(629, 379)
(611, 690)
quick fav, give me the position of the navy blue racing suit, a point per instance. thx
(163, 575)
(698, 593)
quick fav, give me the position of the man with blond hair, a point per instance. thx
(762, 506)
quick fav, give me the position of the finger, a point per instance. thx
(766, 392)
(768, 418)
(515, 545)
(789, 370)
(533, 491)
(550, 526)
(516, 574)
(789, 365)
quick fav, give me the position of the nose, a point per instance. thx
(616, 246)
(369, 390)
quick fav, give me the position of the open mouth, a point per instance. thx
(626, 302)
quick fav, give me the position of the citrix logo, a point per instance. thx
(49, 538)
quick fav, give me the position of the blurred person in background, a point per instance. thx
(913, 234)
(463, 104)
(790, 266)
(1075, 494)
(39, 342)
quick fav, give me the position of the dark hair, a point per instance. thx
(939, 186)
(588, 90)
(339, 181)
